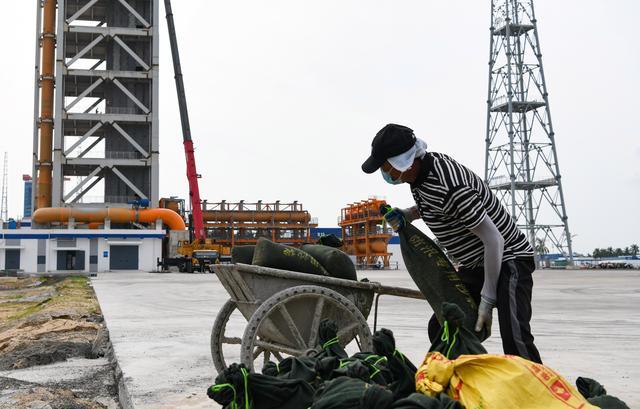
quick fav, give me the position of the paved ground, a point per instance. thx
(587, 323)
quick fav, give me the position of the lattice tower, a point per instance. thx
(4, 204)
(521, 163)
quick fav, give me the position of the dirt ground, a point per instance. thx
(54, 346)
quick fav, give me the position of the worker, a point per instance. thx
(472, 225)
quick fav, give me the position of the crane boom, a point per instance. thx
(192, 173)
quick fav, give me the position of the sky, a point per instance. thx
(285, 96)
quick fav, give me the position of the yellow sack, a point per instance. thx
(497, 382)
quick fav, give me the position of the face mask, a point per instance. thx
(387, 178)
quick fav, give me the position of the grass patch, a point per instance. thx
(69, 293)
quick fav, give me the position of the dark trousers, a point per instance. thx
(514, 305)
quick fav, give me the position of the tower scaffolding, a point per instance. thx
(521, 162)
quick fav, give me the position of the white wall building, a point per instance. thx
(47, 251)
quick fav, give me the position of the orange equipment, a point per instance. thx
(243, 223)
(365, 233)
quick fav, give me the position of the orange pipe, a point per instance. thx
(115, 214)
(47, 83)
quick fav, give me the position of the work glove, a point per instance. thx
(485, 314)
(396, 218)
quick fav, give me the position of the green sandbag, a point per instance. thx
(366, 366)
(235, 384)
(275, 255)
(292, 368)
(454, 338)
(420, 401)
(329, 342)
(596, 394)
(242, 254)
(607, 402)
(403, 372)
(330, 240)
(335, 261)
(435, 276)
(350, 393)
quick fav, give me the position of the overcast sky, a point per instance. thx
(285, 96)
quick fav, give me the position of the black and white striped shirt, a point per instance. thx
(452, 200)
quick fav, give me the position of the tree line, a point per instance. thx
(631, 250)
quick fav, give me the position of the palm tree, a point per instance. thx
(634, 250)
(540, 249)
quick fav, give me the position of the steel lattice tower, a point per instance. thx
(521, 163)
(4, 201)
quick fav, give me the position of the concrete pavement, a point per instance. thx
(586, 323)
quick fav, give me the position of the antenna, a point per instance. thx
(3, 204)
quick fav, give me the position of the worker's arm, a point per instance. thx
(493, 250)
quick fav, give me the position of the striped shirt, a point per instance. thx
(452, 200)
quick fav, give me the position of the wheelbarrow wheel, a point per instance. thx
(287, 323)
(220, 337)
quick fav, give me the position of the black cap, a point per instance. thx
(390, 141)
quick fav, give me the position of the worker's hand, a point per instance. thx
(396, 219)
(485, 314)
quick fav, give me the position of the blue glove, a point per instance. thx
(396, 219)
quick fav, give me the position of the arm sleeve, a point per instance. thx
(463, 204)
(493, 250)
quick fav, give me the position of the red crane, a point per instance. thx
(197, 223)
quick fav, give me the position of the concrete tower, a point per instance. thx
(521, 158)
(104, 147)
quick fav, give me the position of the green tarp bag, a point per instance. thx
(235, 387)
(455, 339)
(292, 368)
(275, 255)
(330, 240)
(403, 372)
(335, 261)
(242, 254)
(434, 274)
(420, 401)
(350, 393)
(596, 394)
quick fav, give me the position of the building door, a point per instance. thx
(123, 258)
(12, 259)
(70, 260)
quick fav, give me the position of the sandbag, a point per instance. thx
(350, 393)
(275, 255)
(455, 339)
(235, 387)
(330, 240)
(335, 261)
(292, 368)
(374, 365)
(497, 382)
(596, 394)
(242, 254)
(329, 342)
(419, 401)
(403, 372)
(434, 274)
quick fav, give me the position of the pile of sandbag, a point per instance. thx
(457, 373)
(318, 259)
(381, 379)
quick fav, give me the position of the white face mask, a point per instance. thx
(387, 178)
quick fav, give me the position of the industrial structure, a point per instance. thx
(28, 192)
(365, 233)
(243, 223)
(4, 198)
(521, 163)
(96, 137)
